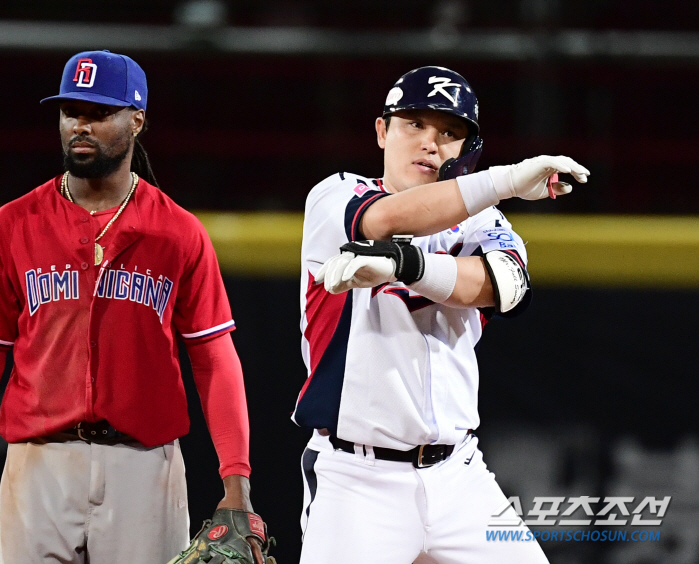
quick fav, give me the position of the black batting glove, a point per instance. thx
(410, 264)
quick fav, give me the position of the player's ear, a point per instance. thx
(138, 118)
(381, 132)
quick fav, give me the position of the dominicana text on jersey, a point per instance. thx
(117, 284)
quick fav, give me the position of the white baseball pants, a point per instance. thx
(76, 502)
(359, 509)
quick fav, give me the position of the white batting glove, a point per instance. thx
(526, 180)
(345, 271)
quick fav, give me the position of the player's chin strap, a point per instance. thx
(464, 164)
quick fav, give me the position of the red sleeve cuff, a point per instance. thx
(237, 469)
(219, 379)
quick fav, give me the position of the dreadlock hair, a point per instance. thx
(139, 161)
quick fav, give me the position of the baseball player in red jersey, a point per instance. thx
(100, 274)
(389, 337)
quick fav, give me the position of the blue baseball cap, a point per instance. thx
(103, 77)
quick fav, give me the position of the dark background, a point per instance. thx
(593, 391)
(236, 129)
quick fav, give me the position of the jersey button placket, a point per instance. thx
(87, 236)
(90, 379)
(86, 228)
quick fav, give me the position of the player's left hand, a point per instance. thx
(233, 536)
(367, 264)
(347, 270)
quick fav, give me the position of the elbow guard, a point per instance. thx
(511, 286)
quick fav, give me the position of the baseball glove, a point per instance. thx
(223, 540)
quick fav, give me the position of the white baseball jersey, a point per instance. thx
(386, 366)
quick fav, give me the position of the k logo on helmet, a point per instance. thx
(440, 83)
(85, 73)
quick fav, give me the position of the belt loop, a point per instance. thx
(359, 451)
(370, 458)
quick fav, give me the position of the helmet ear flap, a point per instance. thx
(465, 163)
(471, 157)
(471, 143)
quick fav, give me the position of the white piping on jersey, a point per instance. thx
(7, 343)
(225, 325)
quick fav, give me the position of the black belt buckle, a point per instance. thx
(425, 456)
(96, 432)
(81, 432)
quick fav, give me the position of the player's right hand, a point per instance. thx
(345, 271)
(233, 536)
(528, 179)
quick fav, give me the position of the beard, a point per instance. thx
(104, 162)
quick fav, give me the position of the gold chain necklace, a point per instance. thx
(99, 249)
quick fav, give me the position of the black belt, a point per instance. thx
(421, 456)
(100, 432)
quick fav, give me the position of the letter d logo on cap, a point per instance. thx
(85, 73)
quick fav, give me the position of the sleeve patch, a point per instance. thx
(498, 238)
(361, 189)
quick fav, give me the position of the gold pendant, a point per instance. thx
(99, 254)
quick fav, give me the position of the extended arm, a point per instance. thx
(219, 379)
(422, 210)
(430, 208)
(497, 279)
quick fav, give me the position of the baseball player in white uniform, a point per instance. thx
(393, 473)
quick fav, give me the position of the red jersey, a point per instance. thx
(100, 342)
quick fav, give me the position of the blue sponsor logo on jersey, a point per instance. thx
(45, 287)
(500, 235)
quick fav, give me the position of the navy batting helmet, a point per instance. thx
(441, 89)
